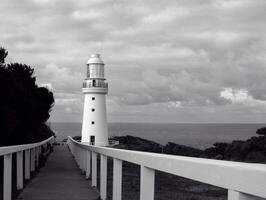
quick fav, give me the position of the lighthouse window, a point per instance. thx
(93, 98)
(92, 110)
(92, 122)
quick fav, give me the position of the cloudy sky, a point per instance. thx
(166, 61)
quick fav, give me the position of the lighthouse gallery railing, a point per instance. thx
(96, 84)
(30, 159)
(242, 180)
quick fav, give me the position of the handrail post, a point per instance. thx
(235, 195)
(93, 169)
(27, 164)
(32, 168)
(7, 177)
(80, 158)
(77, 155)
(20, 170)
(88, 165)
(117, 179)
(74, 152)
(147, 183)
(103, 182)
(84, 161)
(37, 157)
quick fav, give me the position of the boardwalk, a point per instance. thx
(60, 179)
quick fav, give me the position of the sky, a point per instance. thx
(174, 61)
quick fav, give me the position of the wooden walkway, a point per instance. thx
(60, 179)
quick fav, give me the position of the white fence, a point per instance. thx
(242, 180)
(31, 156)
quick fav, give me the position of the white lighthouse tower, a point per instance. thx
(94, 126)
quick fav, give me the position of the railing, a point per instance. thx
(96, 84)
(242, 180)
(32, 154)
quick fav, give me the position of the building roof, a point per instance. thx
(95, 59)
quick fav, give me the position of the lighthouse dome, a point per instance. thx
(95, 59)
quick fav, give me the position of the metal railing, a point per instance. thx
(30, 159)
(242, 180)
(96, 84)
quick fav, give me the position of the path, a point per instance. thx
(60, 179)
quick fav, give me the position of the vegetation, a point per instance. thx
(261, 131)
(24, 106)
(252, 150)
(169, 186)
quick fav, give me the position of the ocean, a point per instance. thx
(194, 135)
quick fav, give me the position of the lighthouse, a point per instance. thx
(94, 126)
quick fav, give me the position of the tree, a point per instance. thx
(24, 107)
(261, 131)
(3, 55)
(23, 75)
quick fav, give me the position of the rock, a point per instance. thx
(261, 131)
(256, 157)
(182, 150)
(219, 157)
(218, 148)
(138, 144)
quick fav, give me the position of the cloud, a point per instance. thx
(177, 86)
(175, 54)
(67, 92)
(49, 86)
(62, 78)
(235, 95)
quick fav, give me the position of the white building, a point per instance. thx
(94, 126)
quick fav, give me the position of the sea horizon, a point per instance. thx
(52, 122)
(197, 135)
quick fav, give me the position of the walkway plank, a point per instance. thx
(60, 179)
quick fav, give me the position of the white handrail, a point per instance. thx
(243, 180)
(32, 154)
(16, 148)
